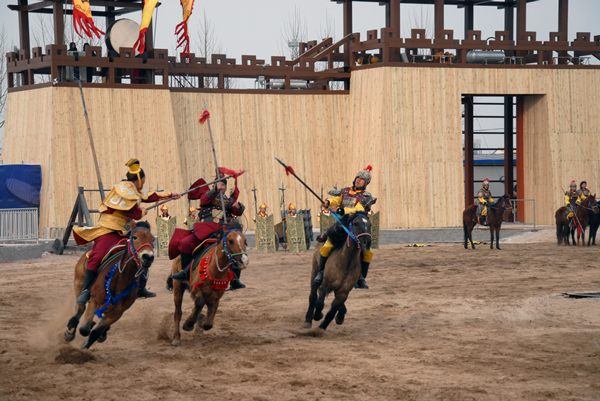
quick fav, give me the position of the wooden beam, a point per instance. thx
(469, 18)
(508, 146)
(521, 20)
(469, 170)
(521, 187)
(347, 17)
(563, 18)
(438, 14)
(23, 27)
(59, 28)
(393, 16)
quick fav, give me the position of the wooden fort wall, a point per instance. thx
(405, 122)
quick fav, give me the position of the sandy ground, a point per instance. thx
(438, 323)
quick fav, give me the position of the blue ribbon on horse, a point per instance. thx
(345, 229)
(110, 300)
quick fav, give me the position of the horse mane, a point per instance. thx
(232, 225)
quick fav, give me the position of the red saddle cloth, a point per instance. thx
(216, 284)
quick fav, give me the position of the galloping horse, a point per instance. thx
(116, 287)
(495, 216)
(341, 274)
(585, 211)
(209, 280)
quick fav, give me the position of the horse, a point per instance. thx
(207, 284)
(342, 271)
(583, 214)
(594, 224)
(495, 216)
(122, 282)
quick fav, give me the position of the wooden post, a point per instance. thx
(469, 18)
(508, 146)
(521, 20)
(438, 14)
(521, 188)
(23, 26)
(563, 26)
(347, 29)
(469, 173)
(59, 28)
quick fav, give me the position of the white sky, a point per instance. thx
(255, 27)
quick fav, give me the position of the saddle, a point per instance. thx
(115, 253)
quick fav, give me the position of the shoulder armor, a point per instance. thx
(367, 200)
(337, 192)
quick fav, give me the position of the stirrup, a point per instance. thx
(180, 276)
(144, 293)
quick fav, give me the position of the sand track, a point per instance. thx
(438, 323)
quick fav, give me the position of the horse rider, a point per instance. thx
(583, 193)
(571, 201)
(121, 205)
(485, 201)
(350, 200)
(164, 213)
(211, 220)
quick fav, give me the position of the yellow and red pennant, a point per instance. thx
(181, 30)
(82, 19)
(149, 6)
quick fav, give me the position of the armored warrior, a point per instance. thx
(484, 199)
(192, 216)
(571, 201)
(121, 205)
(262, 210)
(211, 219)
(583, 193)
(164, 213)
(292, 210)
(350, 200)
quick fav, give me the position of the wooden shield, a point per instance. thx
(295, 233)
(165, 232)
(190, 222)
(265, 234)
(326, 221)
(374, 230)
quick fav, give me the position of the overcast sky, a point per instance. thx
(255, 27)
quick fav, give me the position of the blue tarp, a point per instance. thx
(20, 185)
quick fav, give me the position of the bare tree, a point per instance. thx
(294, 31)
(209, 44)
(420, 20)
(328, 31)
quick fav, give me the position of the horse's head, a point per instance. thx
(141, 243)
(360, 226)
(504, 204)
(593, 204)
(234, 244)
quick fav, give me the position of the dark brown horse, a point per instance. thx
(122, 280)
(229, 250)
(581, 221)
(495, 216)
(341, 274)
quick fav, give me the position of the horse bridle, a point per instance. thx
(233, 261)
(134, 252)
(590, 208)
(355, 237)
(505, 208)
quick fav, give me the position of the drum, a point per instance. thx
(122, 33)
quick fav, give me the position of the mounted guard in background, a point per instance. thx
(484, 201)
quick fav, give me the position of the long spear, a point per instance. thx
(289, 170)
(206, 117)
(198, 187)
(89, 132)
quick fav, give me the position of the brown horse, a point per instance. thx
(581, 219)
(122, 280)
(495, 216)
(341, 274)
(230, 250)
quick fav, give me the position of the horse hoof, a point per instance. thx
(103, 337)
(307, 325)
(198, 330)
(86, 329)
(176, 343)
(339, 320)
(188, 327)
(207, 326)
(318, 316)
(69, 336)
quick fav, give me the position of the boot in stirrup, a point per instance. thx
(319, 276)
(362, 284)
(186, 258)
(88, 281)
(143, 292)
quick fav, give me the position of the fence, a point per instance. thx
(19, 224)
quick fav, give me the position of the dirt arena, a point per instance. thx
(438, 323)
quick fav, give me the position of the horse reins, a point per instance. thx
(355, 237)
(231, 256)
(133, 252)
